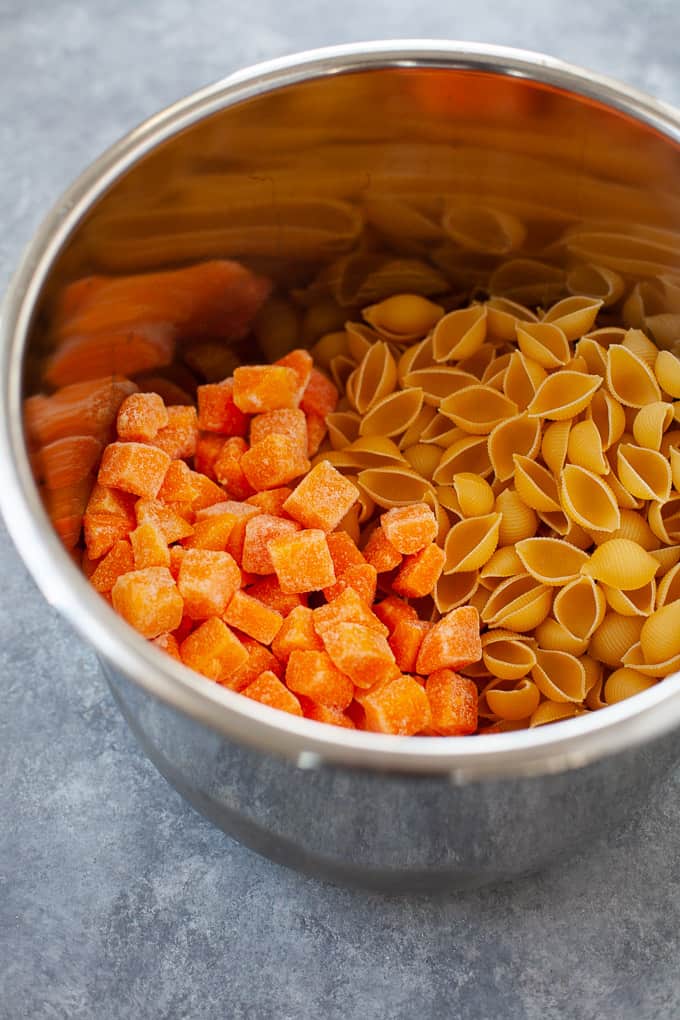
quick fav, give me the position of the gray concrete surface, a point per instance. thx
(116, 900)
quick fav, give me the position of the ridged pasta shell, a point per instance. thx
(557, 522)
(621, 564)
(518, 604)
(574, 315)
(607, 335)
(479, 597)
(522, 378)
(343, 428)
(634, 527)
(551, 560)
(494, 375)
(555, 444)
(594, 671)
(667, 372)
(478, 363)
(588, 500)
(415, 357)
(517, 704)
(674, 455)
(360, 339)
(633, 659)
(439, 382)
(474, 495)
(559, 676)
(594, 355)
(584, 448)
(341, 368)
(624, 498)
(660, 634)
(666, 558)
(629, 379)
(608, 416)
(504, 563)
(459, 334)
(374, 451)
(506, 656)
(478, 409)
(535, 486)
(453, 590)
(327, 347)
(624, 683)
(670, 441)
(577, 536)
(374, 378)
(440, 431)
(645, 473)
(442, 516)
(403, 317)
(664, 519)
(360, 279)
(467, 454)
(423, 458)
(634, 602)
(393, 486)
(400, 220)
(580, 607)
(392, 415)
(517, 435)
(551, 712)
(594, 698)
(414, 433)
(668, 589)
(554, 637)
(527, 281)
(596, 282)
(470, 543)
(545, 343)
(446, 495)
(563, 394)
(644, 348)
(518, 521)
(483, 229)
(503, 316)
(614, 637)
(340, 459)
(651, 422)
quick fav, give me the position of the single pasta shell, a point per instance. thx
(403, 317)
(666, 558)
(439, 382)
(483, 229)
(475, 495)
(614, 637)
(624, 498)
(645, 473)
(453, 590)
(675, 465)
(423, 458)
(559, 676)
(550, 560)
(596, 282)
(438, 430)
(374, 451)
(343, 428)
(633, 659)
(503, 316)
(629, 379)
(557, 521)
(478, 409)
(519, 604)
(574, 315)
(478, 363)
(667, 372)
(522, 378)
(470, 543)
(535, 485)
(467, 454)
(633, 526)
(585, 450)
(519, 521)
(594, 355)
(578, 536)
(507, 656)
(660, 634)
(588, 500)
(517, 435)
(555, 444)
(393, 414)
(415, 357)
(636, 602)
(342, 368)
(374, 378)
(636, 341)
(504, 563)
(414, 433)
(494, 375)
(624, 683)
(608, 416)
(664, 520)
(621, 564)
(551, 711)
(580, 607)
(607, 335)
(459, 334)
(668, 588)
(563, 395)
(328, 347)
(545, 343)
(393, 486)
(553, 636)
(360, 339)
(520, 703)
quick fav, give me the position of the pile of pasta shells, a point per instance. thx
(549, 450)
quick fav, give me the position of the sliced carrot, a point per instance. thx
(68, 461)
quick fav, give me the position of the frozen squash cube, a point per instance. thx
(296, 634)
(313, 674)
(302, 364)
(259, 388)
(259, 660)
(213, 650)
(290, 422)
(260, 530)
(400, 707)
(405, 641)
(409, 528)
(302, 562)
(269, 690)
(452, 643)
(179, 437)
(362, 577)
(320, 396)
(274, 461)
(363, 655)
(149, 600)
(140, 416)
(133, 467)
(253, 617)
(207, 580)
(118, 561)
(453, 703)
(393, 609)
(149, 546)
(380, 552)
(348, 607)
(217, 411)
(330, 716)
(268, 590)
(419, 572)
(322, 498)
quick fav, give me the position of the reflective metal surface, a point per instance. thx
(287, 167)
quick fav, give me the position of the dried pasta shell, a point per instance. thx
(517, 435)
(364, 503)
(594, 671)
(373, 379)
(519, 604)
(440, 431)
(414, 433)
(660, 634)
(629, 379)
(594, 698)
(374, 451)
(439, 382)
(667, 372)
(459, 334)
(494, 375)
(668, 589)
(441, 514)
(554, 637)
(545, 343)
(360, 339)
(594, 355)
(517, 704)
(557, 522)
(559, 676)
(341, 368)
(634, 527)
(360, 279)
(645, 473)
(633, 659)
(584, 448)
(624, 683)
(393, 486)
(507, 656)
(468, 454)
(588, 500)
(478, 409)
(564, 394)
(453, 590)
(503, 316)
(478, 363)
(621, 564)
(470, 543)
(674, 455)
(392, 415)
(580, 607)
(644, 348)
(555, 444)
(423, 458)
(340, 459)
(574, 315)
(474, 494)
(614, 637)
(607, 335)
(527, 281)
(479, 597)
(666, 558)
(635, 602)
(504, 563)
(664, 520)
(415, 357)
(518, 521)
(535, 486)
(623, 497)
(551, 560)
(522, 378)
(596, 282)
(608, 416)
(328, 347)
(651, 422)
(483, 229)
(343, 428)
(551, 712)
(446, 495)
(403, 317)
(577, 536)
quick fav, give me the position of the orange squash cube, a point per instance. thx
(359, 652)
(360, 576)
(213, 650)
(290, 422)
(149, 600)
(268, 590)
(212, 533)
(344, 552)
(405, 641)
(206, 581)
(420, 572)
(149, 546)
(228, 468)
(259, 660)
(302, 364)
(118, 561)
(380, 552)
(259, 388)
(260, 530)
(274, 461)
(400, 707)
(176, 557)
(168, 643)
(302, 562)
(348, 607)
(313, 674)
(320, 396)
(296, 634)
(253, 617)
(269, 690)
(316, 433)
(179, 437)
(217, 411)
(102, 531)
(322, 498)
(177, 487)
(105, 500)
(453, 703)
(324, 714)
(452, 643)
(133, 467)
(409, 528)
(206, 492)
(271, 501)
(172, 525)
(140, 416)
(208, 449)
(393, 609)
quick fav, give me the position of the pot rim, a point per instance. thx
(574, 742)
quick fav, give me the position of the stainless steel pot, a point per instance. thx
(465, 119)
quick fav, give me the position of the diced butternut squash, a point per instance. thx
(207, 580)
(179, 437)
(419, 572)
(269, 690)
(290, 422)
(302, 364)
(260, 530)
(149, 546)
(118, 561)
(400, 707)
(302, 562)
(214, 650)
(360, 576)
(133, 467)
(259, 388)
(380, 552)
(140, 416)
(330, 716)
(452, 643)
(253, 617)
(362, 654)
(259, 660)
(409, 528)
(173, 526)
(393, 609)
(320, 396)
(405, 641)
(209, 446)
(229, 471)
(212, 533)
(271, 501)
(177, 487)
(168, 643)
(313, 674)
(269, 591)
(217, 411)
(453, 703)
(149, 600)
(297, 633)
(348, 607)
(274, 461)
(322, 498)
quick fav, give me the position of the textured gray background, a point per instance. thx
(116, 900)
